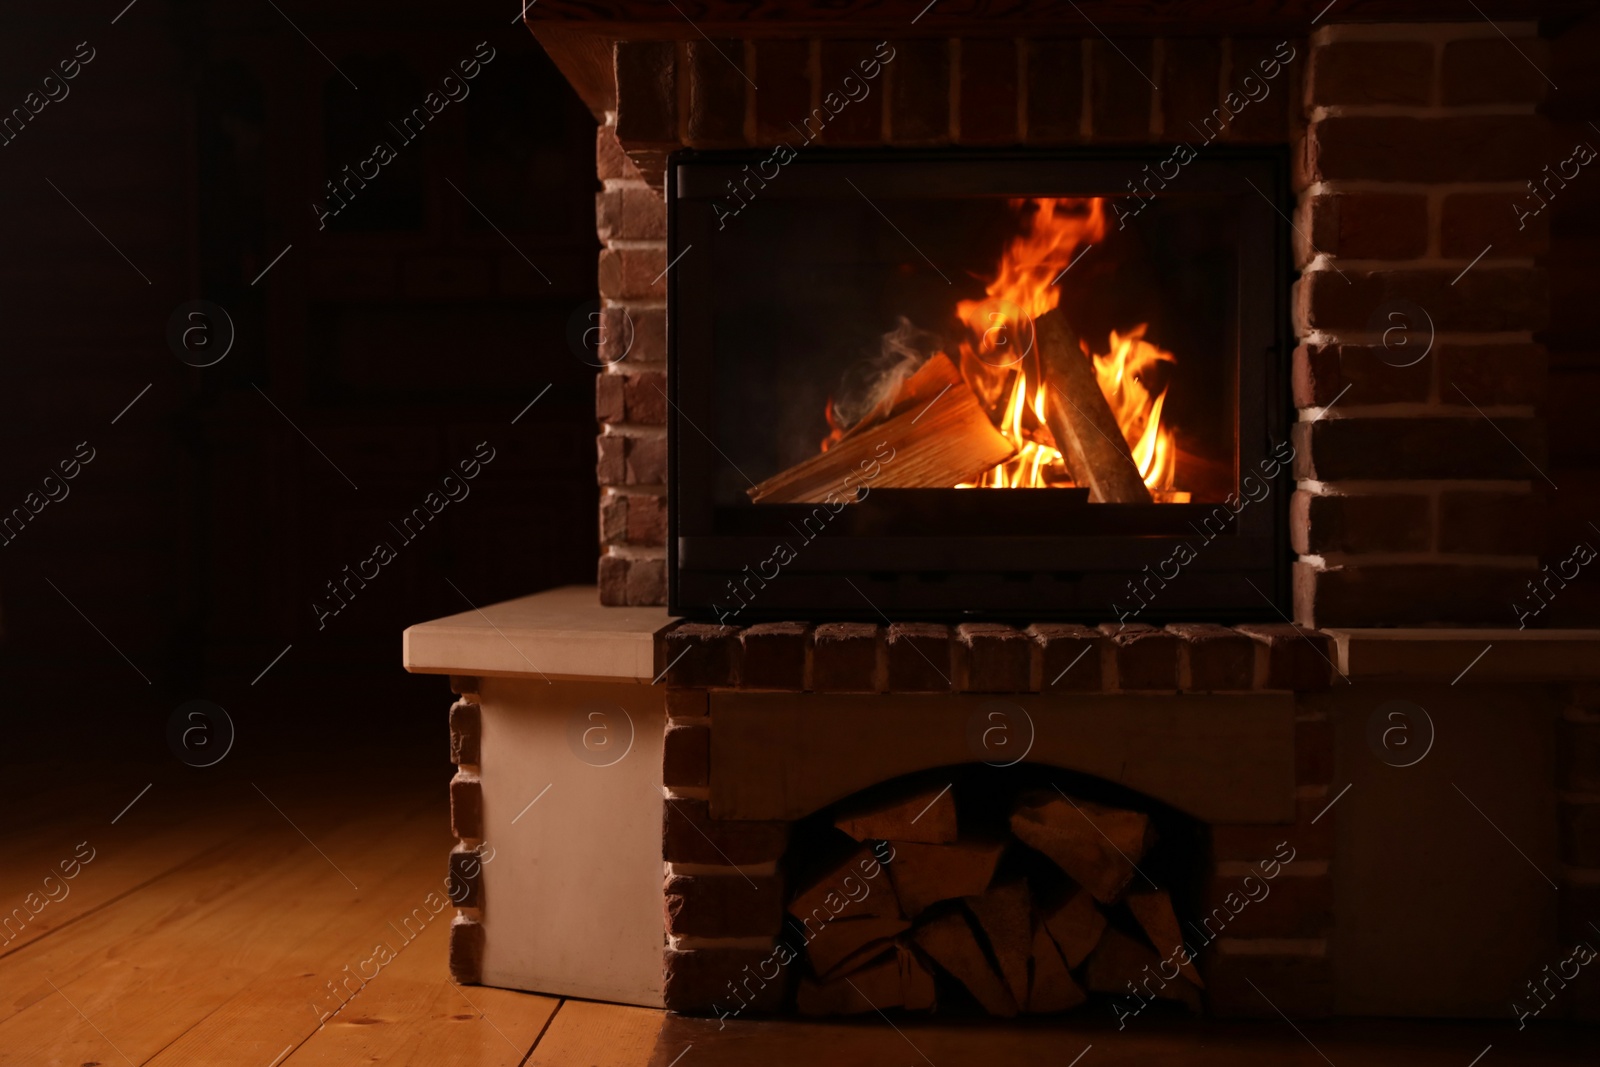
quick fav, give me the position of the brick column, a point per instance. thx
(1578, 747)
(630, 396)
(1419, 475)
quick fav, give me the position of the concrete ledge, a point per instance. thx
(1448, 655)
(558, 634)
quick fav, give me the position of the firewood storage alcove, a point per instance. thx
(997, 891)
(1069, 374)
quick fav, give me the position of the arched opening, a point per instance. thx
(979, 889)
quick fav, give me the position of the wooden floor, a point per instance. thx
(212, 918)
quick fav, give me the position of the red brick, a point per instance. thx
(612, 574)
(1470, 222)
(647, 91)
(1334, 449)
(1190, 71)
(638, 335)
(1381, 522)
(1486, 299)
(688, 703)
(1219, 659)
(692, 836)
(1579, 746)
(610, 160)
(1364, 226)
(837, 118)
(1294, 905)
(612, 465)
(988, 91)
(1492, 374)
(992, 657)
(1119, 89)
(724, 905)
(699, 655)
(1351, 147)
(647, 460)
(1298, 658)
(613, 518)
(1147, 658)
(633, 273)
(1323, 372)
(1301, 986)
(631, 212)
(647, 582)
(717, 93)
(783, 70)
(1313, 752)
(1493, 70)
(1580, 835)
(1070, 657)
(609, 404)
(466, 950)
(706, 979)
(1055, 90)
(466, 806)
(1408, 595)
(919, 657)
(1488, 523)
(645, 395)
(1258, 842)
(647, 519)
(774, 655)
(844, 657)
(1372, 72)
(466, 731)
(464, 878)
(1267, 118)
(686, 755)
(919, 92)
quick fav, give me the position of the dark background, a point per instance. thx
(197, 540)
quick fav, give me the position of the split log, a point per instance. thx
(1125, 967)
(1153, 910)
(1052, 988)
(936, 445)
(872, 988)
(916, 982)
(845, 891)
(926, 874)
(1097, 846)
(840, 944)
(1075, 925)
(928, 817)
(1080, 418)
(1005, 914)
(952, 944)
(927, 382)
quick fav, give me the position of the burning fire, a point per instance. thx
(995, 360)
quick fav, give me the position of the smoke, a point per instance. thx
(869, 387)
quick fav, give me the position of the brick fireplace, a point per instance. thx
(1415, 504)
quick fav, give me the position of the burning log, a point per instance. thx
(1080, 418)
(935, 445)
(1096, 846)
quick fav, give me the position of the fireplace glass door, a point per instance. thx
(949, 383)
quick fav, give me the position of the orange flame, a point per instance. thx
(1025, 287)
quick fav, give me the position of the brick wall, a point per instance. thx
(1419, 494)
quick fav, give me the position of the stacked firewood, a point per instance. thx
(1031, 920)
